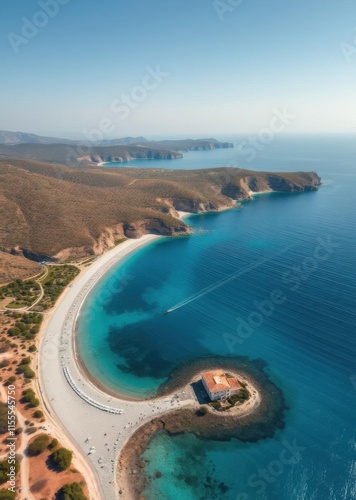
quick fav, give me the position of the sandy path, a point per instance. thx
(25, 438)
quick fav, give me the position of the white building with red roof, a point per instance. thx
(220, 385)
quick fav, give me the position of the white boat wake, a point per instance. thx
(224, 281)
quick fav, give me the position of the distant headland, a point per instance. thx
(97, 152)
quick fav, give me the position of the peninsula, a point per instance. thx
(83, 212)
(256, 414)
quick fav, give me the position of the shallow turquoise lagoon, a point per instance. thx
(300, 244)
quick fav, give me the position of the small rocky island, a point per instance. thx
(234, 398)
(226, 390)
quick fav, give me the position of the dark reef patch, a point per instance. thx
(261, 423)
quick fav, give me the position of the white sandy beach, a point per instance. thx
(256, 193)
(86, 425)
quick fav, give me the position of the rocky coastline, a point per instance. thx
(112, 204)
(262, 423)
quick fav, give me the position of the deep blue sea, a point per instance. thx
(301, 245)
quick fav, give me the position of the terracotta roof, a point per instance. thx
(217, 381)
(234, 383)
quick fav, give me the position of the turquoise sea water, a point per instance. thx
(308, 341)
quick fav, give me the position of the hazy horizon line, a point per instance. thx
(74, 135)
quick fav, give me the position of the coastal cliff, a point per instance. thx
(110, 236)
(87, 154)
(260, 182)
(53, 212)
(190, 144)
(106, 155)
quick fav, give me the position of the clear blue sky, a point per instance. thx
(225, 75)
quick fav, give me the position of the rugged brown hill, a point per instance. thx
(60, 212)
(16, 267)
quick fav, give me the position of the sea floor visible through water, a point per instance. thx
(302, 245)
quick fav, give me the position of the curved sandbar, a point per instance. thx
(257, 418)
(85, 424)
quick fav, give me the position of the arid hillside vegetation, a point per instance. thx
(61, 212)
